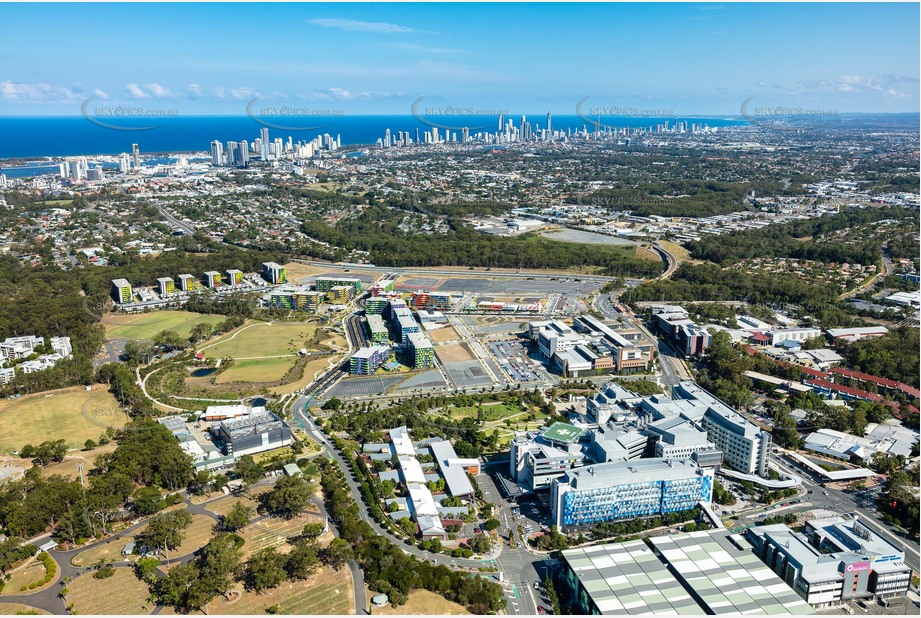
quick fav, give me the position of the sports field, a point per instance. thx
(146, 325)
(262, 339)
(73, 414)
(121, 594)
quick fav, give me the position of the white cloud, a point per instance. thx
(158, 91)
(353, 25)
(194, 90)
(241, 94)
(36, 92)
(100, 94)
(136, 92)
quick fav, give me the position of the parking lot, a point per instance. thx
(513, 358)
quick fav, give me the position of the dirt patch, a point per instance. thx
(454, 352)
(440, 335)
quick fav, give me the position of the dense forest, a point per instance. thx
(797, 239)
(377, 231)
(894, 355)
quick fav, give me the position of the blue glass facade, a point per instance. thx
(645, 499)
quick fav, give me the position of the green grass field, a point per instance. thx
(263, 339)
(121, 594)
(73, 414)
(256, 370)
(146, 325)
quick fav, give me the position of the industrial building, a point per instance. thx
(253, 433)
(274, 273)
(378, 329)
(709, 572)
(325, 284)
(626, 490)
(833, 560)
(366, 360)
(421, 351)
(121, 291)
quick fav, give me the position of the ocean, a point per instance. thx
(29, 139)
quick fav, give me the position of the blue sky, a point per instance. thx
(380, 58)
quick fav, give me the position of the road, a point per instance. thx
(520, 566)
(851, 502)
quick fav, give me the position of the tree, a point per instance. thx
(138, 352)
(302, 561)
(89, 445)
(200, 482)
(50, 451)
(200, 332)
(337, 553)
(265, 570)
(180, 588)
(146, 569)
(218, 562)
(289, 497)
(166, 531)
(219, 482)
(238, 516)
(147, 501)
(312, 530)
(169, 340)
(490, 524)
(248, 470)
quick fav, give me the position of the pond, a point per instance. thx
(204, 371)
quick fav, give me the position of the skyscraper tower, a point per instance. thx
(217, 153)
(501, 122)
(549, 123)
(136, 156)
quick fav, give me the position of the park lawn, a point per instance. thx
(263, 339)
(421, 602)
(146, 325)
(68, 467)
(257, 370)
(11, 609)
(223, 506)
(29, 573)
(491, 412)
(110, 551)
(73, 414)
(326, 592)
(274, 531)
(121, 594)
(197, 536)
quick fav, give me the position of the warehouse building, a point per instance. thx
(711, 572)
